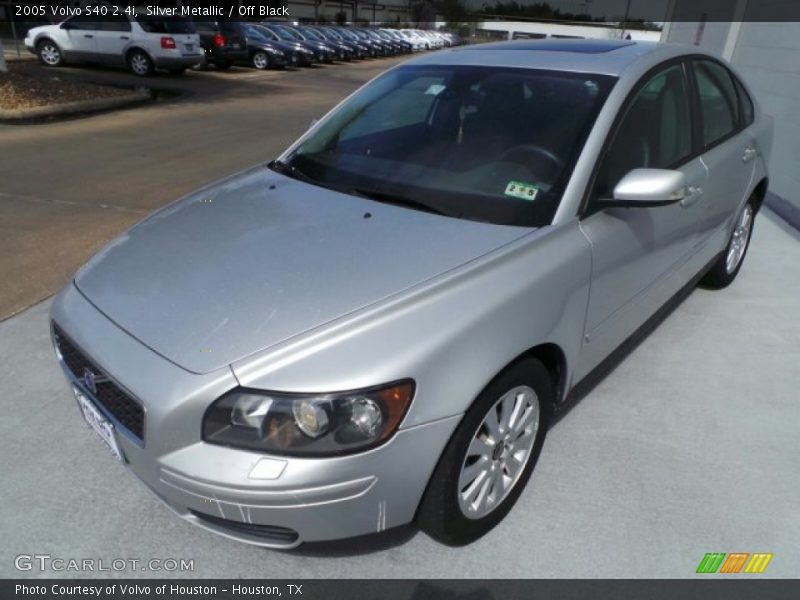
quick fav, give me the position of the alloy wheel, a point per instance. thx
(140, 65)
(260, 60)
(741, 235)
(50, 54)
(499, 452)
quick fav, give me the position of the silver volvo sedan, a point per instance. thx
(376, 327)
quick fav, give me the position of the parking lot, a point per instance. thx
(689, 446)
(208, 125)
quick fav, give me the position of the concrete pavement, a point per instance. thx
(689, 446)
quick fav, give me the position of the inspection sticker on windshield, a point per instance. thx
(523, 191)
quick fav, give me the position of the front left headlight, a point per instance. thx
(307, 425)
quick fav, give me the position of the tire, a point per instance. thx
(49, 53)
(451, 510)
(223, 65)
(724, 271)
(140, 63)
(179, 71)
(260, 60)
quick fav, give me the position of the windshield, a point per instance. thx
(331, 34)
(291, 34)
(256, 34)
(267, 33)
(480, 143)
(283, 33)
(310, 33)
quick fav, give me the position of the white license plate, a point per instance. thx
(101, 426)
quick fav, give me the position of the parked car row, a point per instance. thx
(144, 44)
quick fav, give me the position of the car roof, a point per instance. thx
(606, 57)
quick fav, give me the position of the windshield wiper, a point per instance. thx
(290, 171)
(396, 200)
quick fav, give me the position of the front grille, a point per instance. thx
(280, 535)
(127, 411)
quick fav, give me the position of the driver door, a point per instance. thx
(637, 252)
(80, 33)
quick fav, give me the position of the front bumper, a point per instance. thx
(248, 496)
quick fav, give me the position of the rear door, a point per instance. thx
(637, 251)
(112, 37)
(729, 148)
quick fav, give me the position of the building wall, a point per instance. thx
(512, 29)
(390, 11)
(767, 55)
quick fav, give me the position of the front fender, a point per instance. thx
(452, 335)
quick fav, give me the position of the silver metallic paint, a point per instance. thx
(448, 303)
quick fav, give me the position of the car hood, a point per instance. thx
(248, 262)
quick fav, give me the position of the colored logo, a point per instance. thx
(735, 562)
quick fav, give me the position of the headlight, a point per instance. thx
(307, 425)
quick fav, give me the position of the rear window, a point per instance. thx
(230, 27)
(172, 25)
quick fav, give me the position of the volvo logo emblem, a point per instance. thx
(90, 380)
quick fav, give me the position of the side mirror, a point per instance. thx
(649, 187)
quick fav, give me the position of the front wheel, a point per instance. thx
(260, 60)
(50, 54)
(724, 271)
(490, 457)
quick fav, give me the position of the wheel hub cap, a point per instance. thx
(499, 452)
(741, 235)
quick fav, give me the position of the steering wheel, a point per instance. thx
(532, 149)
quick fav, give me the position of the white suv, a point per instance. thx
(142, 44)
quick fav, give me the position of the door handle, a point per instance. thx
(124, 37)
(749, 154)
(693, 194)
(88, 35)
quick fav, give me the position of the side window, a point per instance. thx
(718, 101)
(114, 23)
(745, 103)
(656, 131)
(83, 22)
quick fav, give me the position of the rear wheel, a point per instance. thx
(260, 60)
(139, 63)
(490, 457)
(730, 261)
(49, 54)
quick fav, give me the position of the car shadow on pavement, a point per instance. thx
(365, 544)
